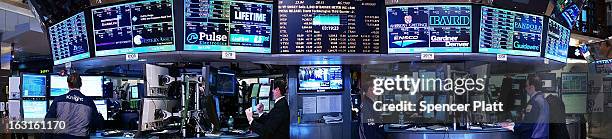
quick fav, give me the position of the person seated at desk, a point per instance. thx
(77, 110)
(535, 123)
(273, 125)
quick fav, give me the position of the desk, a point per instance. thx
(316, 131)
(451, 134)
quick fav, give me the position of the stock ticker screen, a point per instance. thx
(509, 32)
(557, 41)
(136, 27)
(429, 28)
(69, 40)
(330, 26)
(228, 25)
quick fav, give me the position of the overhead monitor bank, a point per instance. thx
(237, 26)
(307, 27)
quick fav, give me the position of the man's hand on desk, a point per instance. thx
(249, 114)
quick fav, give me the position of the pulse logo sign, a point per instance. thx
(213, 37)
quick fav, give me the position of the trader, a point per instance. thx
(535, 123)
(77, 111)
(275, 124)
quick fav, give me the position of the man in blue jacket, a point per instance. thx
(536, 119)
(76, 110)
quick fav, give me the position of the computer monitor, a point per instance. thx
(34, 109)
(102, 108)
(264, 80)
(59, 85)
(255, 90)
(92, 86)
(320, 78)
(264, 91)
(226, 83)
(34, 85)
(134, 91)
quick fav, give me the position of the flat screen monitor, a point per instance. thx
(134, 27)
(575, 103)
(510, 32)
(92, 86)
(255, 90)
(429, 28)
(320, 78)
(134, 91)
(34, 109)
(264, 91)
(59, 85)
(69, 40)
(34, 85)
(102, 108)
(557, 41)
(570, 14)
(264, 80)
(231, 25)
(315, 26)
(226, 83)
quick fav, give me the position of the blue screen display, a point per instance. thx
(430, 28)
(509, 32)
(59, 85)
(137, 27)
(557, 41)
(330, 26)
(34, 85)
(34, 109)
(320, 78)
(227, 25)
(69, 40)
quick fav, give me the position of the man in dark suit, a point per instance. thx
(273, 125)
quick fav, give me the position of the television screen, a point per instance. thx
(510, 32)
(264, 91)
(575, 103)
(68, 40)
(92, 85)
(102, 108)
(34, 109)
(226, 83)
(237, 26)
(34, 85)
(135, 27)
(59, 85)
(315, 78)
(574, 53)
(429, 28)
(330, 26)
(557, 41)
(255, 91)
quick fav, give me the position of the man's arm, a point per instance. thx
(96, 118)
(267, 123)
(52, 113)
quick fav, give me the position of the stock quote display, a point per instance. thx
(509, 32)
(329, 26)
(69, 40)
(429, 28)
(137, 27)
(228, 25)
(557, 41)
